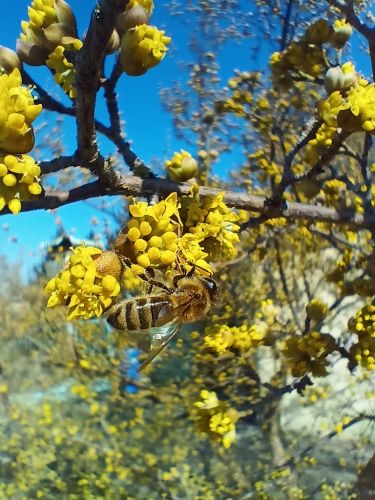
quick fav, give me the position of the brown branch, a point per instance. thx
(347, 8)
(60, 163)
(88, 79)
(130, 185)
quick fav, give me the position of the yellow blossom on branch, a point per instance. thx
(19, 181)
(64, 71)
(17, 112)
(215, 418)
(142, 48)
(215, 225)
(87, 285)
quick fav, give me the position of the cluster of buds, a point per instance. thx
(215, 418)
(141, 46)
(182, 166)
(151, 234)
(51, 23)
(363, 325)
(308, 353)
(306, 56)
(19, 181)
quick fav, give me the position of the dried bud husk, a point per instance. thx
(131, 18)
(65, 15)
(9, 59)
(19, 144)
(31, 54)
(57, 31)
(109, 263)
(124, 246)
(113, 43)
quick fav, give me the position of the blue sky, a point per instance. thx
(148, 126)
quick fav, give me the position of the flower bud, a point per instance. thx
(342, 31)
(316, 310)
(340, 78)
(9, 59)
(182, 167)
(142, 48)
(31, 54)
(131, 18)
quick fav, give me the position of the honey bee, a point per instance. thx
(161, 314)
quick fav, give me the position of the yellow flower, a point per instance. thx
(51, 23)
(82, 287)
(142, 48)
(152, 232)
(64, 72)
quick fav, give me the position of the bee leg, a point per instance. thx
(148, 276)
(188, 274)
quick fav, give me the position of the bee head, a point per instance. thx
(211, 287)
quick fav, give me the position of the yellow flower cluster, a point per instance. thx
(17, 112)
(88, 284)
(50, 31)
(64, 71)
(222, 338)
(308, 353)
(215, 419)
(19, 181)
(322, 140)
(156, 236)
(352, 111)
(142, 48)
(51, 23)
(363, 324)
(182, 166)
(211, 221)
(153, 232)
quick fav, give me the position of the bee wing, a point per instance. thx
(159, 340)
(169, 315)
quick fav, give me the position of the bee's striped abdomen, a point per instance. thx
(138, 314)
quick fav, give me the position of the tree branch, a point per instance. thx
(88, 79)
(130, 185)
